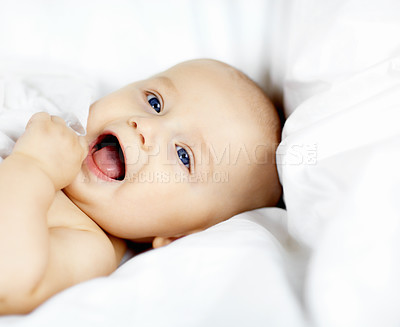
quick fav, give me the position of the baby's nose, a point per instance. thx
(135, 126)
(147, 130)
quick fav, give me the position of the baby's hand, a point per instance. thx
(54, 147)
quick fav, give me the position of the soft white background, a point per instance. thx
(332, 258)
(117, 42)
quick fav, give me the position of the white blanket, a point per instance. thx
(233, 274)
(21, 95)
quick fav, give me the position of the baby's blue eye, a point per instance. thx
(154, 102)
(183, 156)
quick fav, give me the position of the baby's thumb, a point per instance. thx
(85, 146)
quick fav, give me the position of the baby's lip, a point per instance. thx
(106, 158)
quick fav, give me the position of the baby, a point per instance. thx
(162, 158)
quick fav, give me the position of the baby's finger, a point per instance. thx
(39, 116)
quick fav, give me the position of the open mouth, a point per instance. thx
(108, 157)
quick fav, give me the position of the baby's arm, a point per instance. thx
(45, 159)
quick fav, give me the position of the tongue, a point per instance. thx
(108, 161)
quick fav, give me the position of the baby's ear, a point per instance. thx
(160, 241)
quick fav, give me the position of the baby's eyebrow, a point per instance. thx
(167, 83)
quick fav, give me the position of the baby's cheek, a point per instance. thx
(99, 112)
(95, 124)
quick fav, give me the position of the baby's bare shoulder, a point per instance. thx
(69, 225)
(73, 233)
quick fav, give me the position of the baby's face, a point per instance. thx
(168, 154)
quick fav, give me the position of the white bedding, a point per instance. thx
(332, 258)
(21, 95)
(233, 274)
(342, 197)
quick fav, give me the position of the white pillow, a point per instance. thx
(329, 138)
(339, 166)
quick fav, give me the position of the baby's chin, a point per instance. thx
(69, 191)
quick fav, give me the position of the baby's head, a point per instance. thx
(179, 152)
